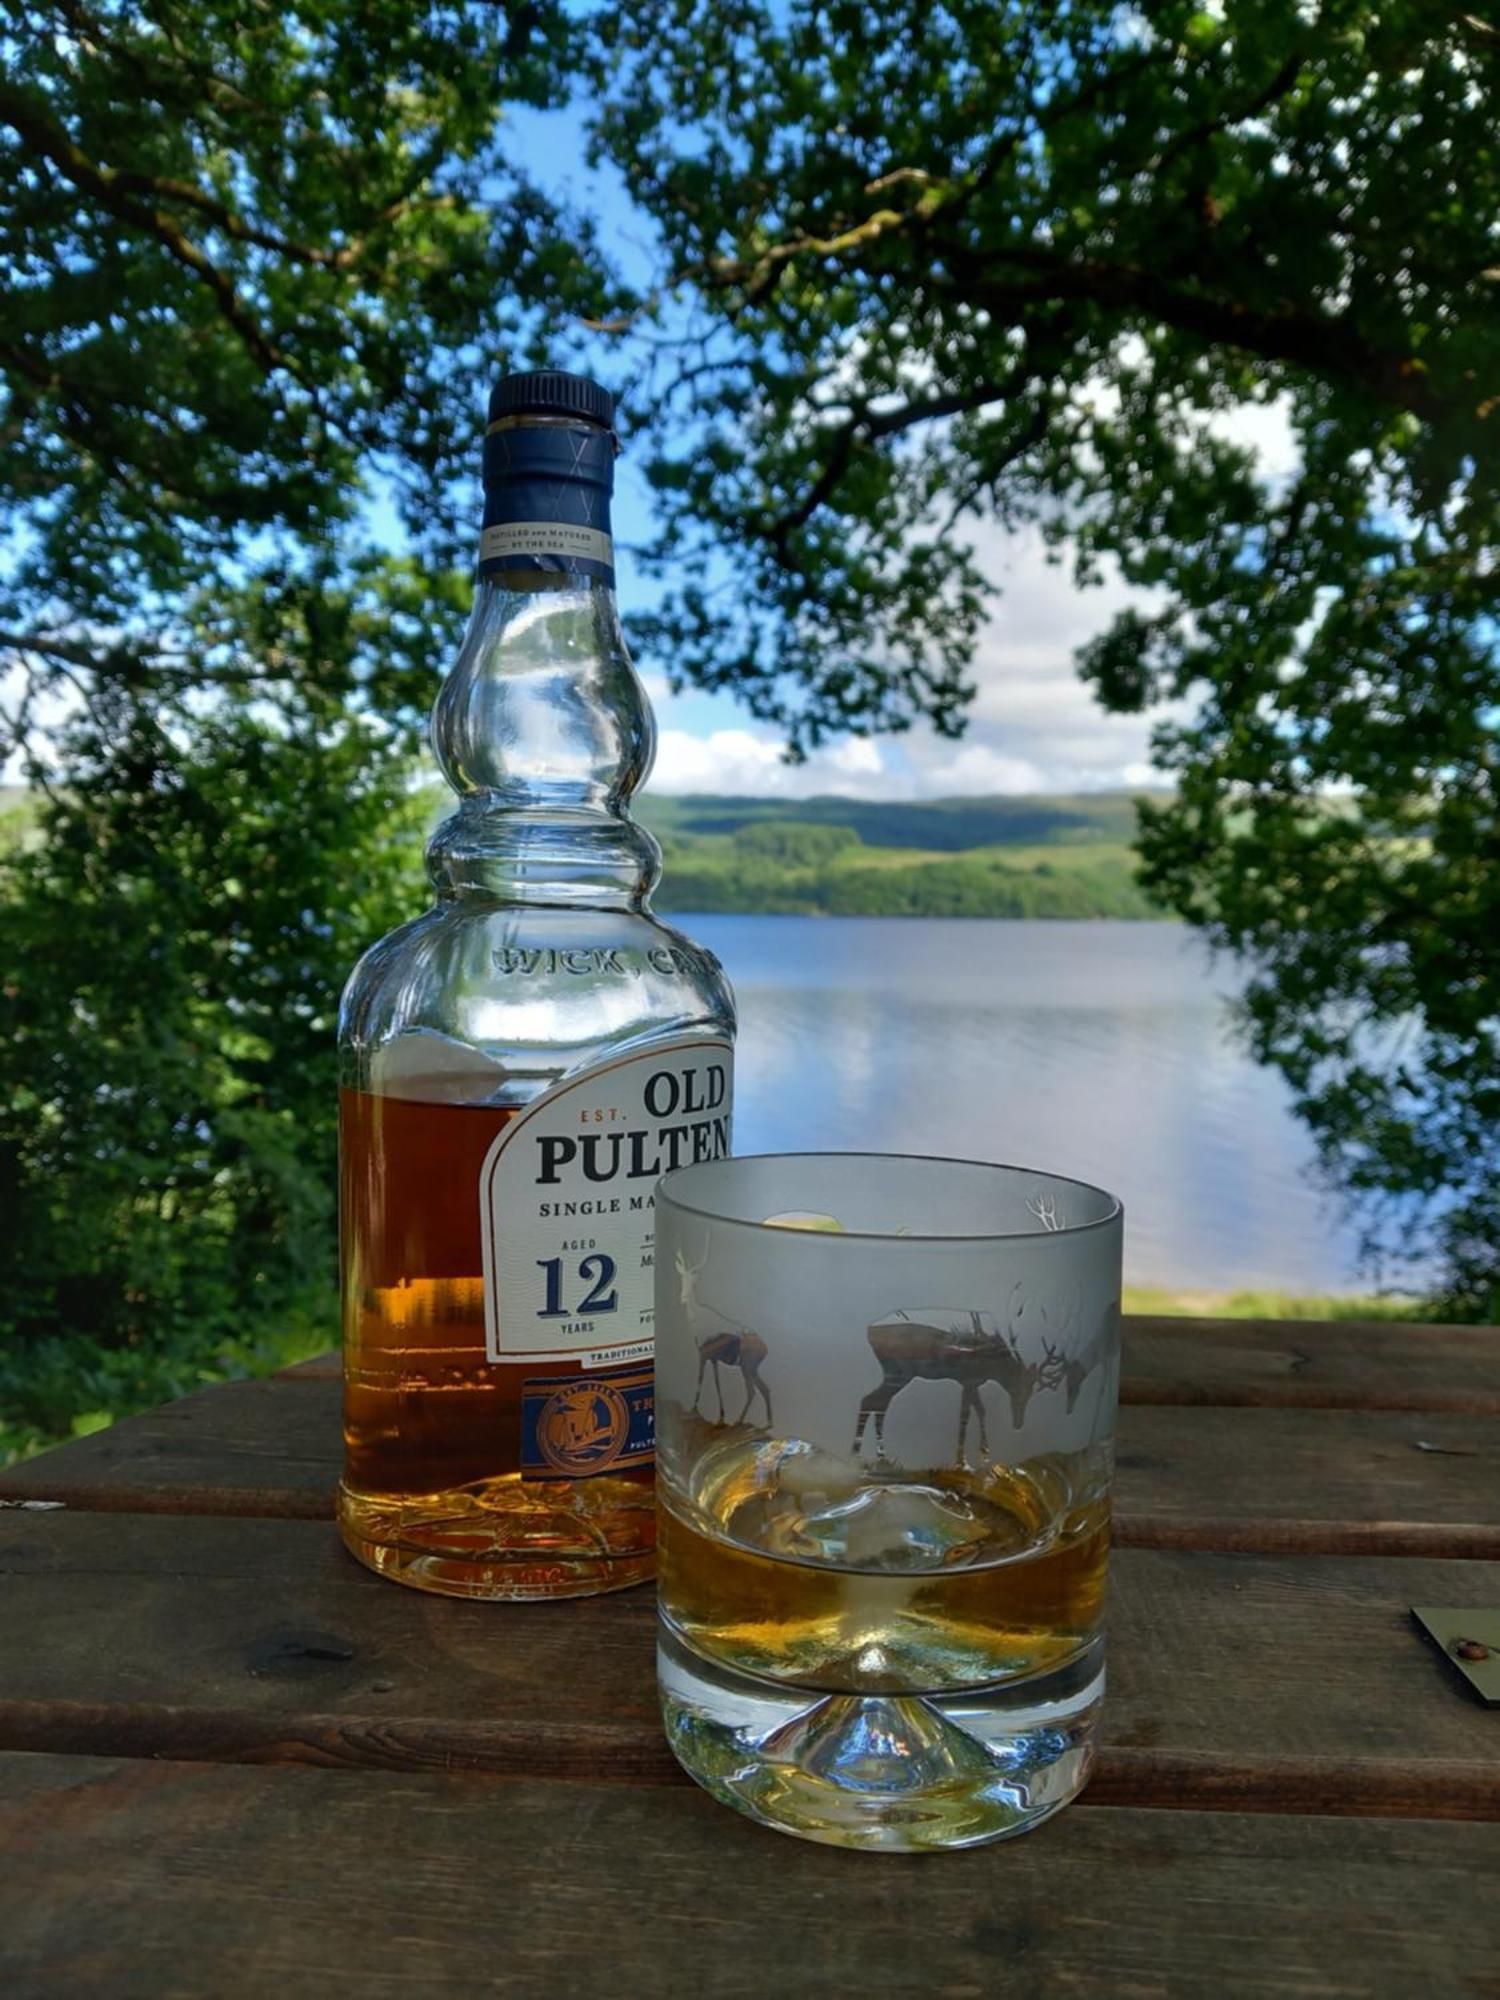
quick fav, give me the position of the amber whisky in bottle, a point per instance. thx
(518, 1066)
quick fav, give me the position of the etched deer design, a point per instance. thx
(1080, 1369)
(1079, 1363)
(687, 1284)
(946, 1346)
(743, 1350)
(1044, 1207)
(724, 1347)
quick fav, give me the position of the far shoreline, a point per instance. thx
(686, 914)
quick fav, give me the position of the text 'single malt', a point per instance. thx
(518, 1066)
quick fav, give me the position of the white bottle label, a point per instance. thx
(545, 538)
(567, 1202)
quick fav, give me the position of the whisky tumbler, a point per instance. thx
(885, 1409)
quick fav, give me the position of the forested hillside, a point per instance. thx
(972, 857)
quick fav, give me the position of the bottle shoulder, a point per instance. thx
(508, 999)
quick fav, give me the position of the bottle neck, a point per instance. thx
(543, 728)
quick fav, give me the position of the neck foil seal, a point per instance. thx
(547, 489)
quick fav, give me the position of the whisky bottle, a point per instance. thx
(517, 1067)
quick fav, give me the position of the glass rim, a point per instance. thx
(1116, 1212)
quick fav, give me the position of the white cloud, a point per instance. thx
(972, 766)
(1033, 726)
(726, 760)
(742, 761)
(855, 757)
(49, 712)
(1267, 430)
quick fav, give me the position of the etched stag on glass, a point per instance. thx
(965, 1347)
(722, 1346)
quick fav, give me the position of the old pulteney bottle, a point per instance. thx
(518, 1067)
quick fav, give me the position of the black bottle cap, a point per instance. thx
(546, 392)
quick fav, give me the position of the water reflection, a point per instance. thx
(1097, 1049)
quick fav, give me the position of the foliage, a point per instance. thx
(167, 1090)
(709, 874)
(1003, 263)
(795, 843)
(259, 268)
(253, 265)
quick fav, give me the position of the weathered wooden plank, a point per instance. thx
(172, 1879)
(1322, 1481)
(1261, 1683)
(320, 1368)
(1309, 1364)
(1338, 1482)
(1273, 1364)
(238, 1448)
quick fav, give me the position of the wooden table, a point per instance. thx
(232, 1762)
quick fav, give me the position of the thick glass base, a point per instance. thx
(507, 1539)
(902, 1773)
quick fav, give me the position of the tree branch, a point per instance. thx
(49, 142)
(203, 79)
(51, 645)
(759, 277)
(163, 187)
(1328, 347)
(1197, 135)
(1301, 335)
(131, 660)
(85, 414)
(865, 428)
(1032, 433)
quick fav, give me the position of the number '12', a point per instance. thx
(598, 1272)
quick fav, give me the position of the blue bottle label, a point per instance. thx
(574, 1426)
(546, 500)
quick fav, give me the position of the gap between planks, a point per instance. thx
(1123, 1778)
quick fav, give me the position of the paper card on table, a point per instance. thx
(1471, 1641)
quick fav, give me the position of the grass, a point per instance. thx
(1161, 1304)
(18, 817)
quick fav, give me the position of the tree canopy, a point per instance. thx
(975, 263)
(259, 265)
(174, 939)
(924, 270)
